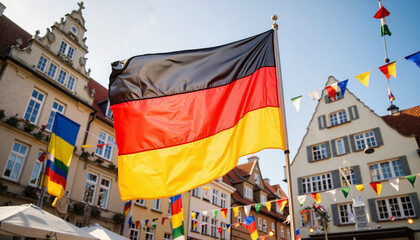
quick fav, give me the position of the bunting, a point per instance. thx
(195, 223)
(415, 58)
(237, 224)
(163, 220)
(137, 224)
(298, 234)
(377, 187)
(224, 212)
(247, 208)
(215, 213)
(360, 187)
(331, 90)
(268, 206)
(235, 211)
(258, 207)
(390, 95)
(177, 218)
(381, 13)
(343, 85)
(389, 70)
(301, 199)
(345, 191)
(193, 215)
(394, 182)
(228, 226)
(411, 179)
(281, 203)
(219, 230)
(332, 193)
(250, 223)
(364, 78)
(127, 218)
(296, 102)
(154, 223)
(317, 197)
(314, 95)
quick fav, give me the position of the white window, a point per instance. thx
(339, 144)
(239, 216)
(338, 118)
(257, 178)
(67, 50)
(215, 200)
(167, 236)
(282, 232)
(36, 172)
(347, 176)
(42, 63)
(248, 192)
(70, 83)
(196, 192)
(386, 170)
(108, 112)
(134, 232)
(264, 225)
(92, 180)
(34, 106)
(346, 213)
(62, 77)
(223, 197)
(398, 207)
(63, 47)
(288, 235)
(273, 227)
(319, 151)
(57, 107)
(263, 198)
(150, 234)
(106, 150)
(140, 202)
(14, 163)
(223, 226)
(52, 70)
(156, 204)
(259, 224)
(104, 192)
(362, 138)
(204, 223)
(317, 183)
(214, 228)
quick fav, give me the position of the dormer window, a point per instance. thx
(257, 178)
(248, 192)
(108, 112)
(67, 50)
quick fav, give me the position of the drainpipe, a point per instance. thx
(87, 132)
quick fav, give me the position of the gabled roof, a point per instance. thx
(101, 95)
(10, 32)
(406, 123)
(245, 169)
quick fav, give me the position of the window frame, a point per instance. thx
(150, 233)
(109, 140)
(54, 72)
(223, 200)
(89, 182)
(104, 188)
(215, 197)
(248, 192)
(72, 80)
(340, 150)
(401, 209)
(157, 202)
(38, 173)
(60, 74)
(257, 178)
(239, 217)
(17, 154)
(168, 236)
(263, 198)
(204, 225)
(343, 216)
(138, 202)
(108, 112)
(134, 232)
(306, 185)
(36, 101)
(351, 177)
(43, 65)
(68, 50)
(196, 192)
(337, 118)
(214, 227)
(319, 151)
(264, 225)
(52, 114)
(259, 224)
(380, 170)
(360, 140)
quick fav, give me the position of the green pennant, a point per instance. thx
(345, 191)
(215, 213)
(258, 207)
(411, 179)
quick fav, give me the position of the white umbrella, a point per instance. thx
(29, 220)
(102, 233)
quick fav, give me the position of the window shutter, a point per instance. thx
(357, 175)
(322, 122)
(299, 182)
(334, 211)
(327, 98)
(404, 165)
(309, 152)
(346, 144)
(372, 209)
(334, 150)
(378, 136)
(352, 143)
(328, 148)
(336, 178)
(415, 201)
(338, 95)
(351, 113)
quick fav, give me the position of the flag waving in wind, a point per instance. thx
(182, 119)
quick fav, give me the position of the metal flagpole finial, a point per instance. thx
(274, 18)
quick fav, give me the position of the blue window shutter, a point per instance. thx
(346, 144)
(322, 122)
(352, 143)
(404, 165)
(328, 148)
(336, 178)
(357, 175)
(334, 150)
(351, 117)
(372, 210)
(299, 181)
(378, 136)
(309, 153)
(334, 211)
(415, 201)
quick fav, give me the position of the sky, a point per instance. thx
(317, 39)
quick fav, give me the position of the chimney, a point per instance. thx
(253, 158)
(393, 110)
(267, 180)
(2, 7)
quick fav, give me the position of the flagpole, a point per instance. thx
(283, 115)
(383, 37)
(44, 165)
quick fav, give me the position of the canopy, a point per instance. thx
(29, 220)
(102, 233)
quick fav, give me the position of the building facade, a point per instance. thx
(346, 148)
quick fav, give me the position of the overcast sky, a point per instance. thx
(317, 39)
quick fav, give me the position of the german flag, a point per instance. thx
(182, 119)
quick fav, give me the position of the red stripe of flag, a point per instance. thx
(176, 206)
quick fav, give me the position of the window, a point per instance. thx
(156, 204)
(338, 118)
(108, 112)
(134, 232)
(14, 163)
(288, 235)
(36, 172)
(104, 192)
(194, 229)
(362, 138)
(204, 223)
(319, 151)
(63, 47)
(399, 207)
(259, 224)
(239, 217)
(306, 218)
(346, 213)
(140, 202)
(337, 96)
(263, 198)
(42, 63)
(317, 183)
(52, 70)
(169, 208)
(150, 234)
(223, 197)
(57, 107)
(92, 180)
(282, 232)
(196, 192)
(264, 225)
(386, 170)
(347, 176)
(339, 143)
(214, 228)
(257, 178)
(215, 200)
(34, 106)
(106, 150)
(223, 226)
(167, 236)
(248, 192)
(273, 227)
(67, 50)
(71, 83)
(62, 77)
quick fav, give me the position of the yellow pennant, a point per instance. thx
(364, 78)
(392, 70)
(268, 205)
(360, 187)
(86, 146)
(235, 210)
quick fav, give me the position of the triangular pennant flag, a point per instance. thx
(146, 222)
(389, 70)
(137, 224)
(92, 154)
(237, 224)
(42, 157)
(86, 146)
(224, 212)
(244, 225)
(268, 206)
(154, 221)
(281, 203)
(411, 179)
(205, 213)
(228, 226)
(395, 183)
(301, 199)
(193, 215)
(332, 193)
(377, 186)
(345, 191)
(381, 13)
(415, 58)
(143, 223)
(235, 211)
(247, 208)
(360, 187)
(392, 218)
(101, 145)
(331, 90)
(195, 223)
(215, 213)
(262, 237)
(296, 102)
(364, 78)
(390, 95)
(220, 229)
(258, 207)
(163, 220)
(343, 85)
(317, 197)
(384, 28)
(314, 95)
(54, 202)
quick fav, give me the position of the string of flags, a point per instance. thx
(388, 70)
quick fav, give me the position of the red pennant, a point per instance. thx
(244, 224)
(381, 13)
(42, 157)
(101, 145)
(237, 224)
(163, 220)
(220, 229)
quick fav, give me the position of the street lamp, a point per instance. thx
(270, 233)
(311, 230)
(410, 221)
